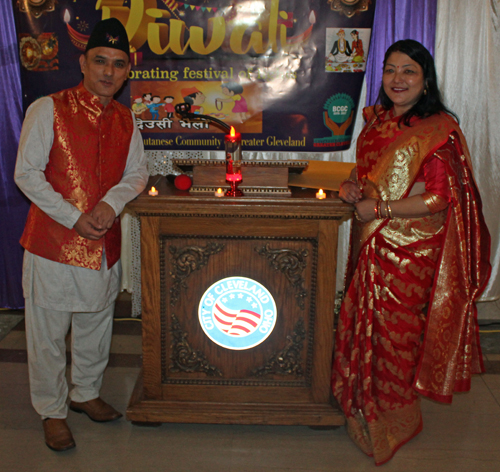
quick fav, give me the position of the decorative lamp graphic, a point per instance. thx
(232, 142)
(78, 39)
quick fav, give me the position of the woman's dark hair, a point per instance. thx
(430, 102)
(233, 87)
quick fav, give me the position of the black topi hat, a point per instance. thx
(109, 33)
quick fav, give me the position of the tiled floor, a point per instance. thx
(464, 436)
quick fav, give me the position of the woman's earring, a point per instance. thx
(425, 91)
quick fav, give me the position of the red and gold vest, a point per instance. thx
(88, 157)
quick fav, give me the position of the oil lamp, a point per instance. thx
(233, 162)
(78, 39)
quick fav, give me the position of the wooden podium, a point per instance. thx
(188, 243)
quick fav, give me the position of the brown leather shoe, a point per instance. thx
(58, 437)
(97, 410)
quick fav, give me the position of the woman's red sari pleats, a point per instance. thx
(407, 325)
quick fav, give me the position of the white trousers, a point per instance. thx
(46, 330)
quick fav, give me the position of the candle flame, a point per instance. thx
(219, 190)
(232, 133)
(153, 189)
(67, 16)
(320, 191)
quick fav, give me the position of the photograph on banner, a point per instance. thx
(266, 67)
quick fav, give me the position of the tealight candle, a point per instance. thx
(153, 192)
(320, 195)
(219, 193)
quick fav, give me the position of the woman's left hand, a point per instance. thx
(365, 210)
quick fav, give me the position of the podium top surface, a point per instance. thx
(293, 166)
(302, 204)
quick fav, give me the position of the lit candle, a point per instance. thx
(219, 193)
(153, 192)
(320, 194)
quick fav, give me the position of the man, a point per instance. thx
(169, 108)
(195, 98)
(80, 160)
(154, 106)
(341, 50)
(138, 107)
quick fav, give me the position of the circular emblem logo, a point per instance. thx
(237, 313)
(339, 107)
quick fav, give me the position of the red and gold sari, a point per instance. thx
(408, 322)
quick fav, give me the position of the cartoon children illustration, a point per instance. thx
(169, 108)
(138, 107)
(195, 98)
(154, 107)
(146, 97)
(341, 49)
(358, 55)
(234, 91)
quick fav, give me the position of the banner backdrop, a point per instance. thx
(287, 74)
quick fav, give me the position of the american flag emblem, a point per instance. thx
(237, 313)
(235, 322)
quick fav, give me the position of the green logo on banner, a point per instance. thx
(337, 116)
(339, 107)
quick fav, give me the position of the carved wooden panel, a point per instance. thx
(286, 266)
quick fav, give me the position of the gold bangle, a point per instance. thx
(434, 202)
(389, 211)
(375, 209)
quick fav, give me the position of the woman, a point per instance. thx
(419, 259)
(358, 54)
(234, 91)
(341, 50)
